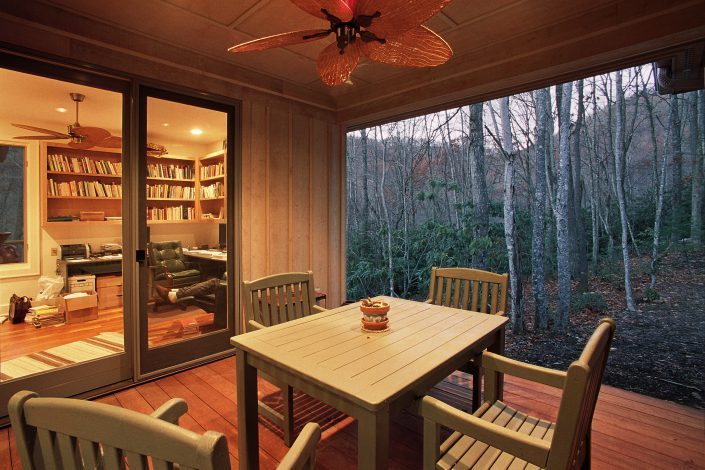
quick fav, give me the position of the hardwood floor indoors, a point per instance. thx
(629, 430)
(165, 326)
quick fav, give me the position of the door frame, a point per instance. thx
(164, 359)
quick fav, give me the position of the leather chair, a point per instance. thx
(169, 268)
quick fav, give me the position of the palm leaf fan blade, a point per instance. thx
(418, 47)
(278, 40)
(398, 16)
(337, 8)
(335, 67)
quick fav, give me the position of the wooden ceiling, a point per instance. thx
(500, 46)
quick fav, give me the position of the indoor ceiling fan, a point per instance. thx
(80, 137)
(386, 31)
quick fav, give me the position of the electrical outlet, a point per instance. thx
(54, 251)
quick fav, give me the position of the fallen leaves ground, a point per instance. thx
(658, 351)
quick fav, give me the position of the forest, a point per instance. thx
(555, 187)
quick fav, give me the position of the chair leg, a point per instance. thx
(476, 388)
(288, 415)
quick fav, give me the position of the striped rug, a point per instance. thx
(102, 345)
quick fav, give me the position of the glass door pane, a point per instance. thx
(61, 207)
(185, 166)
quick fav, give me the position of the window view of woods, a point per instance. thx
(589, 194)
(12, 224)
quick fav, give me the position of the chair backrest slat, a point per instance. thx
(468, 289)
(136, 461)
(90, 452)
(68, 449)
(577, 406)
(278, 298)
(56, 425)
(159, 464)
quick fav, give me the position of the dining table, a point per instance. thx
(370, 376)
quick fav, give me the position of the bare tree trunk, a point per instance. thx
(696, 198)
(480, 197)
(580, 244)
(657, 219)
(365, 190)
(563, 241)
(390, 261)
(538, 280)
(515, 287)
(594, 196)
(619, 179)
(677, 185)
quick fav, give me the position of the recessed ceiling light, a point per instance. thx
(196, 131)
(165, 124)
(61, 110)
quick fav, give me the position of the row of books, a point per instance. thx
(45, 315)
(66, 164)
(213, 190)
(171, 213)
(162, 170)
(167, 191)
(210, 171)
(84, 189)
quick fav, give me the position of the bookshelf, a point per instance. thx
(74, 179)
(211, 187)
(171, 189)
(178, 189)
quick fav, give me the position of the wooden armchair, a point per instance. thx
(497, 435)
(65, 433)
(270, 301)
(469, 289)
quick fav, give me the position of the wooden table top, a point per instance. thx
(370, 369)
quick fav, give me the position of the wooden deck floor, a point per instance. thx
(629, 430)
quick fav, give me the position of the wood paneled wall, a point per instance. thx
(292, 152)
(293, 203)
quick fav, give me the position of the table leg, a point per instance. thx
(247, 435)
(498, 348)
(373, 439)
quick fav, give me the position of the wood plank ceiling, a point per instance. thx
(500, 46)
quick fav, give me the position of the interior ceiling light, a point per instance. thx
(61, 110)
(196, 131)
(166, 124)
(386, 31)
(80, 137)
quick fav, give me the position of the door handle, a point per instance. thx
(140, 256)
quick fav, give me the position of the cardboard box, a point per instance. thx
(81, 309)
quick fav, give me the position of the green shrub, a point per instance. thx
(593, 301)
(651, 295)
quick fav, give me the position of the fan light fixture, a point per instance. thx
(385, 31)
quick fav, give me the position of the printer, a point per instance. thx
(75, 251)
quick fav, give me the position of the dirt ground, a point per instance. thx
(658, 351)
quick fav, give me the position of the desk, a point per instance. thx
(208, 255)
(110, 264)
(211, 263)
(370, 376)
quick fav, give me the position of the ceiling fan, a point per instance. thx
(386, 31)
(80, 137)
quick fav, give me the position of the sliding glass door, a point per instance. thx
(187, 218)
(63, 196)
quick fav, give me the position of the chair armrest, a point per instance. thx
(428, 301)
(171, 411)
(318, 309)
(521, 445)
(303, 453)
(500, 313)
(256, 325)
(544, 375)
